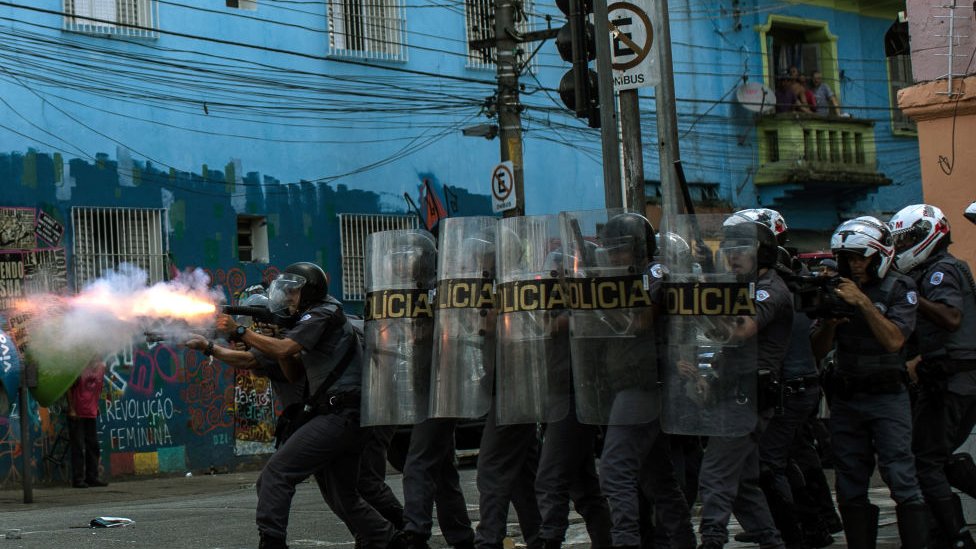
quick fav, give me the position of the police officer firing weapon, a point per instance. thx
(323, 348)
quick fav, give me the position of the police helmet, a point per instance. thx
(770, 218)
(631, 233)
(865, 236)
(414, 256)
(674, 251)
(307, 278)
(918, 231)
(738, 230)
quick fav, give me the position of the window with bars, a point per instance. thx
(371, 29)
(899, 77)
(252, 239)
(480, 24)
(133, 18)
(353, 230)
(104, 238)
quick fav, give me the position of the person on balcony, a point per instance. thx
(825, 100)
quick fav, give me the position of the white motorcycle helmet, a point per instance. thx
(970, 213)
(868, 237)
(770, 218)
(917, 230)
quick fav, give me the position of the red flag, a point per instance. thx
(434, 209)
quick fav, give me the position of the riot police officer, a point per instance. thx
(322, 347)
(430, 475)
(945, 407)
(567, 466)
(614, 361)
(869, 401)
(800, 395)
(730, 473)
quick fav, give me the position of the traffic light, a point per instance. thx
(575, 41)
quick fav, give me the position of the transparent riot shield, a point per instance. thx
(709, 366)
(398, 323)
(531, 374)
(464, 319)
(612, 340)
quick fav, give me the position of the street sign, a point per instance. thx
(633, 55)
(502, 185)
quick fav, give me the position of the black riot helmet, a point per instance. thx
(632, 233)
(742, 229)
(307, 278)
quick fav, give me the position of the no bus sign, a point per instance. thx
(503, 187)
(633, 53)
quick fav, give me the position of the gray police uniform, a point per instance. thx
(945, 410)
(429, 476)
(869, 405)
(372, 462)
(330, 441)
(801, 396)
(507, 462)
(625, 450)
(671, 515)
(729, 478)
(567, 469)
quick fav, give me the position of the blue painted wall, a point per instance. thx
(230, 112)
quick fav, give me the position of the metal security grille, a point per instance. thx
(116, 17)
(369, 29)
(104, 238)
(480, 25)
(353, 230)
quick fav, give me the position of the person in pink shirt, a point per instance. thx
(83, 399)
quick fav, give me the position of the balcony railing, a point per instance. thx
(799, 147)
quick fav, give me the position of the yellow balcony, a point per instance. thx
(810, 149)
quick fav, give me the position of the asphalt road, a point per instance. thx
(217, 512)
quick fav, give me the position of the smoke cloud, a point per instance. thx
(114, 311)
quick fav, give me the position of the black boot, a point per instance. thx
(860, 525)
(961, 473)
(413, 540)
(469, 544)
(551, 543)
(913, 525)
(952, 524)
(782, 511)
(270, 542)
(819, 492)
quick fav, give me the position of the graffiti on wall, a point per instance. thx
(25, 267)
(254, 414)
(17, 228)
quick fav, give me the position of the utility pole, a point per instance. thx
(608, 107)
(509, 107)
(630, 128)
(27, 479)
(667, 116)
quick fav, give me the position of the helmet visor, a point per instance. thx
(906, 240)
(285, 291)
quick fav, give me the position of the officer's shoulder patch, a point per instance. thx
(936, 278)
(304, 318)
(762, 295)
(658, 270)
(912, 297)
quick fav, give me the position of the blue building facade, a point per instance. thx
(260, 133)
